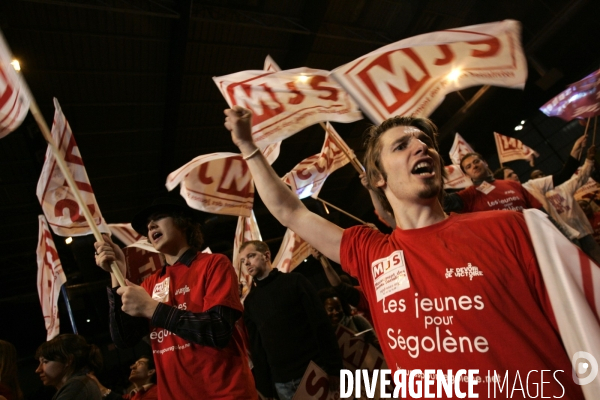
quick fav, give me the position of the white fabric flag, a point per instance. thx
(218, 183)
(510, 149)
(14, 100)
(271, 65)
(125, 233)
(285, 102)
(246, 230)
(412, 76)
(460, 147)
(58, 202)
(307, 178)
(292, 252)
(573, 284)
(50, 278)
(455, 178)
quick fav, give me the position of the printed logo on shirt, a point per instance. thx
(510, 192)
(160, 292)
(389, 275)
(182, 290)
(485, 187)
(469, 271)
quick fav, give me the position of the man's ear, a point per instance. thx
(380, 181)
(151, 372)
(267, 255)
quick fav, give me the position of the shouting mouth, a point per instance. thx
(424, 169)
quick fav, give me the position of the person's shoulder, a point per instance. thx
(493, 216)
(212, 258)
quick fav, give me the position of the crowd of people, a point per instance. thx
(475, 272)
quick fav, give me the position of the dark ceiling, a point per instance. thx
(134, 80)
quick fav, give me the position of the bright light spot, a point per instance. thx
(16, 65)
(303, 78)
(69, 240)
(454, 74)
(523, 122)
(518, 127)
(306, 260)
(87, 320)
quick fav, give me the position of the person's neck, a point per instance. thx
(175, 255)
(266, 273)
(419, 214)
(139, 385)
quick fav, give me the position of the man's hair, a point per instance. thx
(463, 158)
(151, 365)
(260, 246)
(499, 173)
(534, 173)
(372, 158)
(185, 223)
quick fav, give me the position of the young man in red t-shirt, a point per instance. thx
(445, 292)
(189, 307)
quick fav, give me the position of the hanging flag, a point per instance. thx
(58, 202)
(580, 100)
(285, 102)
(455, 178)
(572, 281)
(510, 149)
(142, 260)
(246, 230)
(218, 183)
(307, 178)
(412, 76)
(14, 101)
(271, 152)
(292, 252)
(460, 147)
(50, 278)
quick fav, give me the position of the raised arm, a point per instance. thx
(279, 199)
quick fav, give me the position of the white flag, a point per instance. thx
(14, 100)
(460, 147)
(292, 252)
(307, 178)
(125, 233)
(285, 102)
(573, 284)
(510, 149)
(271, 65)
(455, 178)
(50, 278)
(58, 202)
(246, 230)
(412, 76)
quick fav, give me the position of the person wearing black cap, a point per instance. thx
(192, 305)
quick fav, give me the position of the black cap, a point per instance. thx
(160, 205)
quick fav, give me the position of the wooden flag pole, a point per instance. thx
(342, 211)
(587, 125)
(39, 118)
(353, 160)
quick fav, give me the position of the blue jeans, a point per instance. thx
(286, 390)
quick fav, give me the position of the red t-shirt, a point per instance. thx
(498, 195)
(470, 296)
(186, 370)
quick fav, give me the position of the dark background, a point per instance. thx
(134, 80)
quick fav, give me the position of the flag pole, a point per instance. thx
(595, 125)
(342, 211)
(63, 289)
(39, 118)
(353, 160)
(587, 125)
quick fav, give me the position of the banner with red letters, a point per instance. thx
(270, 65)
(315, 385)
(14, 100)
(580, 100)
(285, 102)
(412, 76)
(125, 233)
(510, 149)
(307, 178)
(50, 278)
(246, 230)
(572, 281)
(455, 178)
(142, 260)
(292, 252)
(218, 183)
(460, 147)
(58, 202)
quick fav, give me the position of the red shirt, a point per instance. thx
(504, 195)
(186, 370)
(470, 296)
